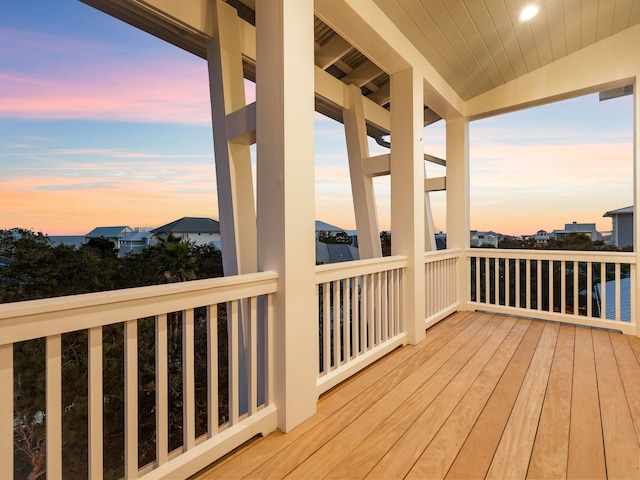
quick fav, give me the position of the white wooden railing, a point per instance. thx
(560, 285)
(243, 303)
(359, 315)
(441, 285)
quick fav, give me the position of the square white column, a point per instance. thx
(407, 194)
(458, 200)
(285, 193)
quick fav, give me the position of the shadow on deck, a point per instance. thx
(482, 396)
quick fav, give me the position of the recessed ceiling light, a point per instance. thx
(528, 12)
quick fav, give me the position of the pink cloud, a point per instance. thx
(129, 92)
(68, 79)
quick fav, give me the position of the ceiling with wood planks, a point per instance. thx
(477, 45)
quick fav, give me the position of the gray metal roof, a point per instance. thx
(109, 232)
(324, 226)
(190, 225)
(137, 236)
(335, 252)
(619, 211)
(610, 291)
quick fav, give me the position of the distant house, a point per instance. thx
(198, 230)
(113, 234)
(484, 239)
(541, 237)
(137, 241)
(622, 231)
(588, 229)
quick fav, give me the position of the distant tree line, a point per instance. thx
(571, 241)
(36, 269)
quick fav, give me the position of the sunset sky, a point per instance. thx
(102, 124)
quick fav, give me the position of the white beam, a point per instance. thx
(241, 125)
(435, 184)
(332, 51)
(232, 158)
(377, 166)
(367, 28)
(382, 95)
(604, 65)
(407, 194)
(363, 74)
(286, 199)
(333, 90)
(364, 199)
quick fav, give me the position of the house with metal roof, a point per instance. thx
(198, 230)
(113, 234)
(622, 228)
(588, 229)
(136, 242)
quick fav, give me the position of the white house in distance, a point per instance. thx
(541, 237)
(198, 230)
(113, 234)
(137, 241)
(588, 229)
(622, 231)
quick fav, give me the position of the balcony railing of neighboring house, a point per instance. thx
(185, 317)
(559, 285)
(441, 284)
(359, 315)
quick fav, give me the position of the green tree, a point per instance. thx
(572, 241)
(385, 242)
(328, 236)
(178, 263)
(208, 260)
(517, 243)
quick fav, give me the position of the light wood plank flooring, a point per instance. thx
(483, 396)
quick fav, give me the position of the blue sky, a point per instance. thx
(102, 124)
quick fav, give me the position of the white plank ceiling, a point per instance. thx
(477, 45)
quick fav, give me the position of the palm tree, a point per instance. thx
(178, 263)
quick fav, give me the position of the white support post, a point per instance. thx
(232, 151)
(458, 201)
(286, 204)
(364, 200)
(429, 229)
(635, 296)
(7, 417)
(96, 404)
(407, 194)
(54, 406)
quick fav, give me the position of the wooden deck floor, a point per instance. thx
(484, 396)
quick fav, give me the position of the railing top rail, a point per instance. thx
(38, 318)
(337, 271)
(571, 255)
(441, 254)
